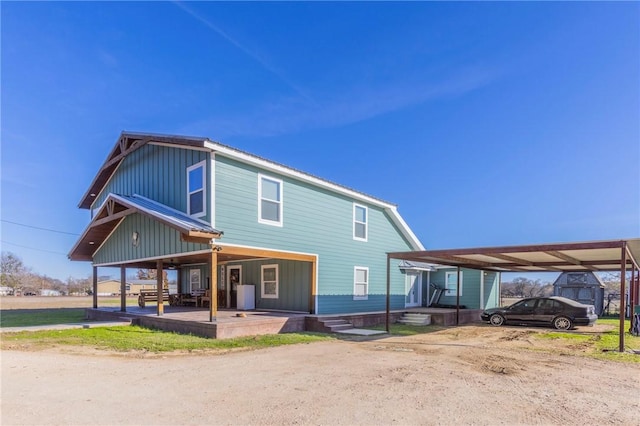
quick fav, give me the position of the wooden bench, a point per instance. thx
(194, 297)
(152, 296)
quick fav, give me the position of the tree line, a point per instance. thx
(525, 287)
(21, 279)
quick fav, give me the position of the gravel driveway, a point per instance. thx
(463, 375)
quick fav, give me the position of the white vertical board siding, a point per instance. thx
(317, 221)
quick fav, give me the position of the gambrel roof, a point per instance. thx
(128, 142)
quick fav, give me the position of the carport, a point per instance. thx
(592, 256)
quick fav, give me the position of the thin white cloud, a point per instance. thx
(253, 55)
(291, 115)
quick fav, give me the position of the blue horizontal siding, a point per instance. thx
(317, 221)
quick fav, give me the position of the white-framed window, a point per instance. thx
(360, 220)
(360, 283)
(451, 283)
(195, 282)
(196, 187)
(269, 282)
(269, 200)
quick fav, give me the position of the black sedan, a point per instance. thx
(556, 311)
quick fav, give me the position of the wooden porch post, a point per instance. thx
(213, 271)
(123, 289)
(159, 288)
(312, 294)
(95, 287)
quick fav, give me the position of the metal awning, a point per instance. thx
(593, 256)
(583, 256)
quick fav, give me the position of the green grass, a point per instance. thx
(602, 345)
(133, 338)
(30, 317)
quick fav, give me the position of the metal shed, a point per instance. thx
(583, 287)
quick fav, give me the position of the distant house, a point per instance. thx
(6, 291)
(218, 214)
(111, 287)
(49, 292)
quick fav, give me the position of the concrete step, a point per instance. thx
(415, 319)
(333, 325)
(334, 328)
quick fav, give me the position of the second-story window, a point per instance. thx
(196, 190)
(360, 214)
(269, 200)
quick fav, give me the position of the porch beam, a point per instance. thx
(517, 261)
(204, 235)
(113, 216)
(265, 253)
(569, 259)
(159, 301)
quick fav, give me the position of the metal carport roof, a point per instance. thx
(610, 255)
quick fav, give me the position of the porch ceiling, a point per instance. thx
(579, 256)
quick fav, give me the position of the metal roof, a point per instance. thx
(577, 256)
(167, 214)
(128, 142)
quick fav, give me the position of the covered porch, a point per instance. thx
(188, 320)
(133, 232)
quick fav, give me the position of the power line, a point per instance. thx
(37, 227)
(32, 248)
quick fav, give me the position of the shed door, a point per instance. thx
(413, 288)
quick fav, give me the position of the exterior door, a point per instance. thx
(413, 289)
(234, 277)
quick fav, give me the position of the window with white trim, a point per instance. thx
(360, 214)
(196, 200)
(269, 282)
(451, 283)
(360, 283)
(269, 200)
(194, 279)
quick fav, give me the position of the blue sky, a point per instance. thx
(487, 123)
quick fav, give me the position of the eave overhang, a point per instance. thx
(116, 207)
(127, 143)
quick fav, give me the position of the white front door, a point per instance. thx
(413, 289)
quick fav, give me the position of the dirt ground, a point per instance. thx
(473, 374)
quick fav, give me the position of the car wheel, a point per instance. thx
(562, 323)
(496, 319)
